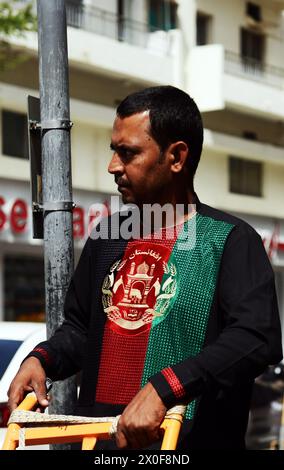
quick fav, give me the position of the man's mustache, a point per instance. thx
(121, 182)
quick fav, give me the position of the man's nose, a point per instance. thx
(115, 165)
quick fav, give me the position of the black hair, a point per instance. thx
(173, 116)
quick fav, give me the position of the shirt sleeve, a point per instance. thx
(62, 355)
(250, 338)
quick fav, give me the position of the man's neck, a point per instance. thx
(181, 204)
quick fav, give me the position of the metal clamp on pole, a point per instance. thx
(35, 129)
(62, 124)
(34, 125)
(54, 206)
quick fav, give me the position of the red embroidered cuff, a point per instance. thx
(43, 353)
(174, 382)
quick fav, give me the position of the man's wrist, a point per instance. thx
(168, 387)
(38, 356)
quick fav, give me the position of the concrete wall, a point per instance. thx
(107, 5)
(212, 186)
(234, 123)
(90, 157)
(84, 85)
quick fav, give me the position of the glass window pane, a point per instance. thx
(245, 176)
(202, 29)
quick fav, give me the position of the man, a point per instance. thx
(153, 322)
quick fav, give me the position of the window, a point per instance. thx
(250, 135)
(14, 134)
(252, 48)
(253, 11)
(203, 27)
(162, 14)
(245, 176)
(75, 13)
(74, 2)
(120, 20)
(24, 288)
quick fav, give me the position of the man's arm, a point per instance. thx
(62, 355)
(251, 337)
(248, 343)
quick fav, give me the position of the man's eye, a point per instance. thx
(127, 154)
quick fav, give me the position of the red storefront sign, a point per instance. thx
(15, 217)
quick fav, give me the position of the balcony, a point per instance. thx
(235, 82)
(226, 144)
(254, 70)
(105, 42)
(120, 28)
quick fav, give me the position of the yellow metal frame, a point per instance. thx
(87, 433)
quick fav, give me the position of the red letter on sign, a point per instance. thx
(19, 215)
(78, 222)
(3, 217)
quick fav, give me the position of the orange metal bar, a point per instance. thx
(12, 435)
(88, 443)
(87, 433)
(172, 429)
(69, 433)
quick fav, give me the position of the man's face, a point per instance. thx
(141, 173)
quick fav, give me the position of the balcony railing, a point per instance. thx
(111, 25)
(254, 70)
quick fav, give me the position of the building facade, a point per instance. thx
(227, 54)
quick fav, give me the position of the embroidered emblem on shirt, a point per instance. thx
(140, 287)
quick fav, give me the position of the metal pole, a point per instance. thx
(56, 178)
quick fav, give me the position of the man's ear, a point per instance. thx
(178, 152)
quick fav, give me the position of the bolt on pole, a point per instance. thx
(56, 179)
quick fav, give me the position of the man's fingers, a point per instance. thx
(121, 440)
(13, 403)
(133, 437)
(138, 441)
(41, 409)
(28, 388)
(30, 377)
(141, 438)
(15, 397)
(40, 391)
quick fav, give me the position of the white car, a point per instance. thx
(17, 339)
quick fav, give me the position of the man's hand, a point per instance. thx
(30, 377)
(139, 424)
